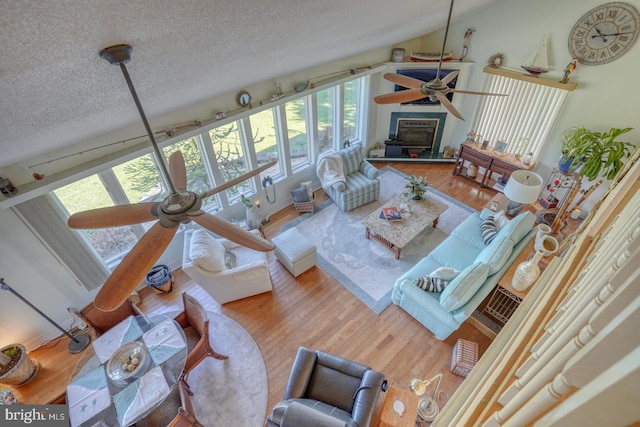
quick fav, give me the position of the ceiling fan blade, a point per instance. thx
(229, 231)
(452, 75)
(398, 97)
(134, 267)
(113, 216)
(237, 180)
(403, 81)
(178, 171)
(448, 105)
(478, 93)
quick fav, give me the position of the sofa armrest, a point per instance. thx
(366, 397)
(300, 373)
(368, 170)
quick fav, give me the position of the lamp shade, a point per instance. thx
(523, 186)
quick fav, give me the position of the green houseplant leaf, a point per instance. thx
(598, 153)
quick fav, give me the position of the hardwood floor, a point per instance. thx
(315, 311)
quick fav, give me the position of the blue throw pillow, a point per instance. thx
(300, 195)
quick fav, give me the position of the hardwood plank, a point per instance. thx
(315, 311)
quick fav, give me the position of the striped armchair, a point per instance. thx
(361, 183)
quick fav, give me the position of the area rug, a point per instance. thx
(232, 392)
(364, 267)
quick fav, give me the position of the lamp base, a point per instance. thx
(82, 342)
(513, 208)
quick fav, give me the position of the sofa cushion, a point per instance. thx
(488, 229)
(469, 231)
(457, 252)
(351, 157)
(518, 227)
(496, 254)
(207, 252)
(461, 289)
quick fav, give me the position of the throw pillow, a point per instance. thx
(206, 252)
(501, 220)
(300, 195)
(488, 229)
(230, 259)
(445, 273)
(307, 185)
(431, 284)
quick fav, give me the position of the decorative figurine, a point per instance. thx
(568, 70)
(471, 137)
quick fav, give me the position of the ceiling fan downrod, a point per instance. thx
(119, 55)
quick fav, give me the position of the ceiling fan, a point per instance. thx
(435, 90)
(180, 206)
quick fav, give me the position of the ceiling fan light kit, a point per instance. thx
(180, 206)
(435, 90)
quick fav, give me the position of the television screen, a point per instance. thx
(426, 75)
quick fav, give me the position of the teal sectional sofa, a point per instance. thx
(481, 267)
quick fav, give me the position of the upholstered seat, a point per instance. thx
(327, 390)
(347, 178)
(225, 283)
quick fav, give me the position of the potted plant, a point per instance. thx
(416, 187)
(16, 368)
(596, 153)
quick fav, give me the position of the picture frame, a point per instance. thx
(500, 147)
(485, 144)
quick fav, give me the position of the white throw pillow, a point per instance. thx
(445, 273)
(307, 185)
(500, 219)
(206, 252)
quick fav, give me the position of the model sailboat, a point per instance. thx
(536, 64)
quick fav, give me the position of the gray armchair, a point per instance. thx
(326, 391)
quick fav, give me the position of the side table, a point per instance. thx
(391, 418)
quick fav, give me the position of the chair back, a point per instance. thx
(184, 419)
(196, 314)
(101, 321)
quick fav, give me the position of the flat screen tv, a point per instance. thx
(426, 75)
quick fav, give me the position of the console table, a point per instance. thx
(492, 161)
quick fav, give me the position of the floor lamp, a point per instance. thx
(77, 343)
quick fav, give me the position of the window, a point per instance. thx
(265, 142)
(350, 122)
(298, 138)
(326, 105)
(523, 119)
(90, 193)
(230, 158)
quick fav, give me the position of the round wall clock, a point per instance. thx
(604, 33)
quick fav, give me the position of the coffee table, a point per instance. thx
(395, 235)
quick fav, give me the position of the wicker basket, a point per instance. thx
(306, 206)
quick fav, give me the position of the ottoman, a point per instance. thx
(294, 251)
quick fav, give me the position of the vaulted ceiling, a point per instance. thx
(56, 91)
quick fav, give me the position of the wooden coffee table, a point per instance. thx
(395, 235)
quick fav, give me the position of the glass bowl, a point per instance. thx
(128, 363)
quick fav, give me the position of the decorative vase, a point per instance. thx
(543, 230)
(472, 170)
(527, 272)
(253, 218)
(548, 245)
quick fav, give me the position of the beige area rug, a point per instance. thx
(232, 392)
(364, 267)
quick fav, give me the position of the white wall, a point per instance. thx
(607, 96)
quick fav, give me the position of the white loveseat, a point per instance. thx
(249, 277)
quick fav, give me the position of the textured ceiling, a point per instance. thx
(56, 91)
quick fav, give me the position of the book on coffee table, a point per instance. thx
(391, 213)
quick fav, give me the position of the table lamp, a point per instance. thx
(522, 188)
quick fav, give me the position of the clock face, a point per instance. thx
(604, 33)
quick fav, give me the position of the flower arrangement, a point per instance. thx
(246, 201)
(416, 186)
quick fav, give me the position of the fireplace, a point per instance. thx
(415, 134)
